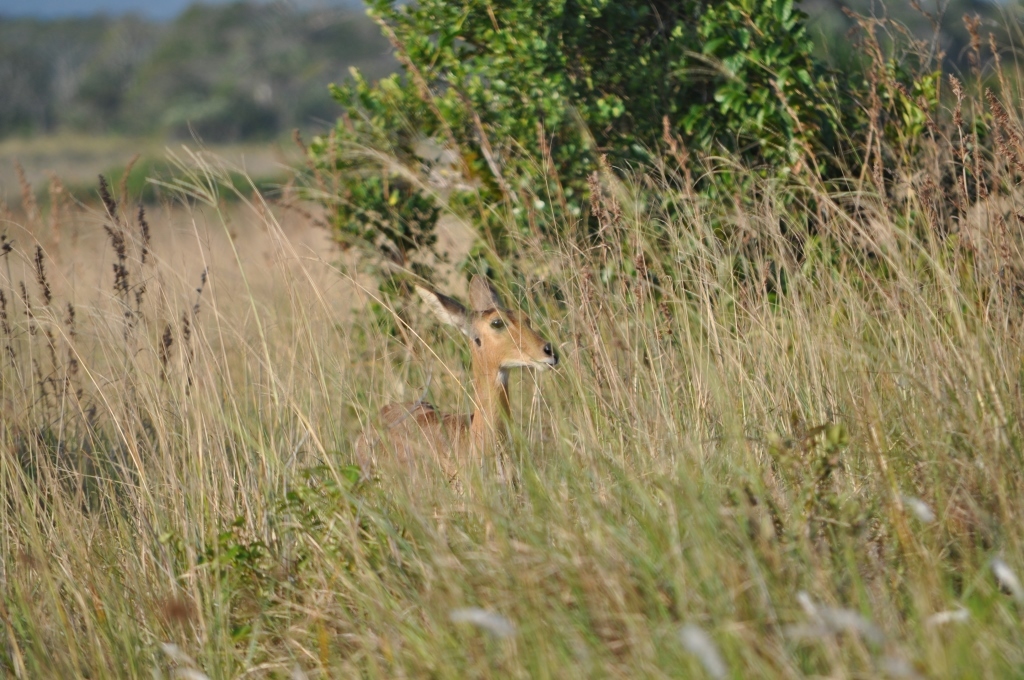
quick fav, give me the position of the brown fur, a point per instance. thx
(500, 340)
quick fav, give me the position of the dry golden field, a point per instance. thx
(721, 480)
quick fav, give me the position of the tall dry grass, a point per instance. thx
(785, 441)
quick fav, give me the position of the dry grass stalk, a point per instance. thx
(28, 198)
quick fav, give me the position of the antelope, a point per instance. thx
(500, 339)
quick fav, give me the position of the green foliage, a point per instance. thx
(328, 508)
(808, 460)
(377, 205)
(772, 102)
(381, 207)
(528, 95)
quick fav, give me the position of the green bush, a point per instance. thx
(530, 95)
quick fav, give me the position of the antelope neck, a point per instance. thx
(492, 407)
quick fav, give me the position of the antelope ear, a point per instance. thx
(482, 296)
(446, 309)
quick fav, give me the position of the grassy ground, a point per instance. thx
(721, 481)
(75, 160)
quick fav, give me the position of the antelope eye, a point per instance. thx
(498, 324)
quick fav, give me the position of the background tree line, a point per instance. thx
(227, 72)
(248, 71)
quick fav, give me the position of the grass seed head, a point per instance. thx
(44, 284)
(30, 315)
(108, 200)
(5, 323)
(28, 197)
(144, 234)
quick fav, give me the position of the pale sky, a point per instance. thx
(153, 9)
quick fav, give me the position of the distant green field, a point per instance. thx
(77, 160)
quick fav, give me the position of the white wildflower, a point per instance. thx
(190, 674)
(1007, 579)
(493, 623)
(832, 620)
(700, 644)
(191, 669)
(898, 667)
(919, 509)
(958, 615)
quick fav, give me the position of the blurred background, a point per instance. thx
(223, 71)
(89, 83)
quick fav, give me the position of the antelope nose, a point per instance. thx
(550, 351)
